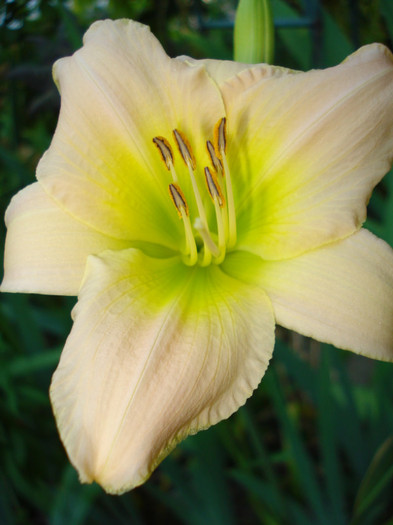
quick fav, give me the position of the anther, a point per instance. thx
(220, 142)
(219, 203)
(178, 199)
(184, 149)
(165, 150)
(189, 159)
(213, 156)
(214, 188)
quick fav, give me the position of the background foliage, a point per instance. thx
(314, 446)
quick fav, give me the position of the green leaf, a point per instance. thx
(72, 502)
(386, 9)
(301, 461)
(327, 439)
(26, 364)
(374, 483)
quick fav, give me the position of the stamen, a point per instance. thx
(219, 203)
(178, 199)
(165, 149)
(215, 160)
(219, 169)
(189, 159)
(214, 188)
(220, 143)
(215, 245)
(167, 155)
(184, 148)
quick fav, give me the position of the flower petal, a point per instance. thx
(158, 351)
(307, 149)
(222, 71)
(119, 92)
(219, 70)
(340, 294)
(46, 248)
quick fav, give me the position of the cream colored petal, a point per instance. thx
(307, 149)
(223, 71)
(46, 248)
(158, 351)
(340, 294)
(219, 70)
(117, 93)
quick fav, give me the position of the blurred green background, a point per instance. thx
(314, 446)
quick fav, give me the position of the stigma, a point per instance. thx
(205, 241)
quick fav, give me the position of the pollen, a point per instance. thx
(184, 149)
(214, 188)
(216, 162)
(220, 139)
(165, 149)
(178, 199)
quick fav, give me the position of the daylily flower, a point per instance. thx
(191, 205)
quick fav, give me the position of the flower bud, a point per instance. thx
(254, 32)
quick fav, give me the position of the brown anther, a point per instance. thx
(220, 142)
(165, 149)
(213, 156)
(214, 188)
(178, 199)
(184, 149)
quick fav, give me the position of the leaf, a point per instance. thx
(375, 482)
(386, 9)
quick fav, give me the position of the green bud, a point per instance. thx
(254, 32)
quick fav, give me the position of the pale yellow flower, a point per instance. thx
(179, 290)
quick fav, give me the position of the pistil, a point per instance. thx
(205, 234)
